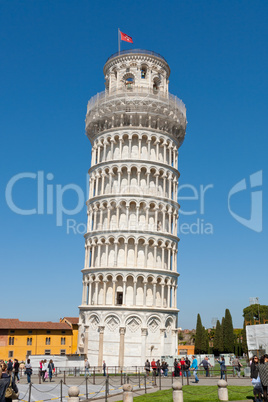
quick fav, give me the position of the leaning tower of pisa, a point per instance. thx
(129, 302)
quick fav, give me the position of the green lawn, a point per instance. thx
(200, 393)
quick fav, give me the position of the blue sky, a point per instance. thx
(52, 56)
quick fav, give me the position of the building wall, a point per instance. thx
(38, 345)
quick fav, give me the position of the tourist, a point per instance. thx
(158, 365)
(177, 368)
(9, 366)
(187, 365)
(237, 365)
(154, 367)
(147, 367)
(182, 366)
(263, 372)
(28, 370)
(255, 378)
(44, 371)
(87, 365)
(5, 381)
(194, 366)
(50, 369)
(205, 363)
(41, 367)
(165, 366)
(16, 368)
(222, 367)
(104, 368)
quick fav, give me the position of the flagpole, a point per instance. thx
(118, 40)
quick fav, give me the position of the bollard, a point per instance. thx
(86, 389)
(106, 388)
(73, 393)
(177, 392)
(127, 393)
(222, 390)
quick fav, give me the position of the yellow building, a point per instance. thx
(19, 339)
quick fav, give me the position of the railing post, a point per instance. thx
(61, 390)
(145, 385)
(160, 380)
(86, 388)
(127, 379)
(75, 371)
(182, 375)
(39, 376)
(30, 390)
(94, 376)
(106, 388)
(64, 378)
(187, 374)
(121, 377)
(139, 378)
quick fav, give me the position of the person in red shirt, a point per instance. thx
(154, 367)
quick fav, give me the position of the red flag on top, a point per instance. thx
(126, 38)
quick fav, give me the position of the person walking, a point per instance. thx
(9, 366)
(263, 372)
(187, 365)
(154, 367)
(50, 369)
(237, 366)
(5, 381)
(205, 363)
(44, 370)
(158, 365)
(194, 366)
(104, 368)
(222, 367)
(147, 367)
(16, 368)
(87, 366)
(28, 370)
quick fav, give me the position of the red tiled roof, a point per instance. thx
(72, 320)
(14, 323)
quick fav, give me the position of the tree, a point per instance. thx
(204, 343)
(256, 312)
(198, 335)
(217, 337)
(244, 340)
(221, 343)
(228, 332)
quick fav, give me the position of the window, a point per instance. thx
(11, 340)
(63, 332)
(143, 72)
(63, 341)
(30, 332)
(12, 331)
(10, 353)
(129, 82)
(119, 298)
(48, 332)
(47, 341)
(47, 351)
(29, 341)
(63, 352)
(29, 352)
(156, 85)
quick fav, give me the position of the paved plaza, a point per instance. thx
(52, 390)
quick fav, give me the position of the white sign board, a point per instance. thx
(257, 337)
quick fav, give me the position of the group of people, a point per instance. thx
(158, 368)
(46, 369)
(259, 377)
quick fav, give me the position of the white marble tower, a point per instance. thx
(129, 303)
